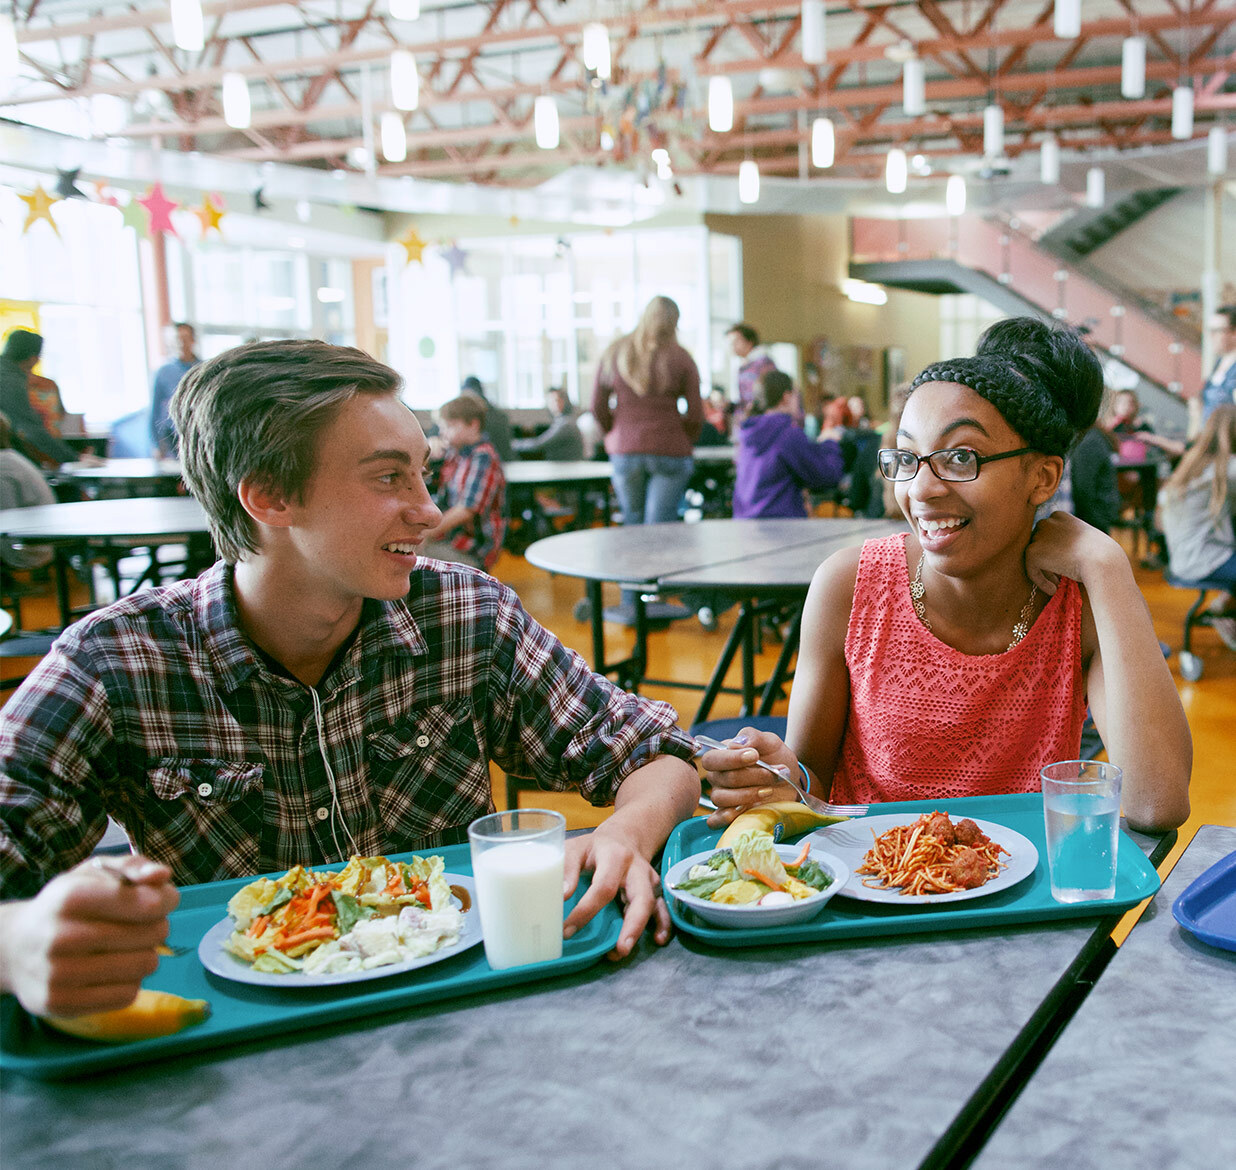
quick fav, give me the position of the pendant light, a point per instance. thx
(993, 131)
(545, 121)
(1133, 67)
(720, 105)
(1216, 151)
(913, 87)
(188, 25)
(1049, 160)
(237, 108)
(1066, 21)
(955, 195)
(748, 181)
(1182, 112)
(404, 9)
(405, 84)
(895, 171)
(1096, 187)
(823, 143)
(394, 137)
(595, 50)
(813, 39)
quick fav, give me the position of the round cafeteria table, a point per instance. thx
(158, 476)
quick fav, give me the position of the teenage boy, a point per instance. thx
(471, 489)
(314, 694)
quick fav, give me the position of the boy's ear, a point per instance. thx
(1048, 475)
(263, 504)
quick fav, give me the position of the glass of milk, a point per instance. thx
(1081, 809)
(517, 862)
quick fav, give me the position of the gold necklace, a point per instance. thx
(1020, 628)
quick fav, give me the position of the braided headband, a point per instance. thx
(1023, 403)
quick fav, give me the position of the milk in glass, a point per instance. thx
(519, 895)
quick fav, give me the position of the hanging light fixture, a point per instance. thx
(1216, 151)
(394, 137)
(720, 105)
(404, 9)
(1066, 21)
(405, 83)
(913, 87)
(748, 181)
(895, 171)
(237, 109)
(993, 131)
(188, 25)
(1133, 67)
(1182, 112)
(823, 143)
(545, 121)
(814, 48)
(1049, 160)
(596, 50)
(1096, 187)
(955, 195)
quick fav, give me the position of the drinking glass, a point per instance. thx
(1081, 810)
(517, 862)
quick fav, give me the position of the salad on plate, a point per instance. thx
(750, 872)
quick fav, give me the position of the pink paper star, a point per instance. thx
(159, 207)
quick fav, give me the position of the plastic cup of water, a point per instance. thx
(1081, 811)
(518, 863)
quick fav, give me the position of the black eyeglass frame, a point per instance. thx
(979, 461)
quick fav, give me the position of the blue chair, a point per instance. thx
(1190, 664)
(131, 436)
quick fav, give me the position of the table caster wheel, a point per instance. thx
(1190, 666)
(708, 619)
(582, 611)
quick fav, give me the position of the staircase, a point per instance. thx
(1090, 228)
(1009, 270)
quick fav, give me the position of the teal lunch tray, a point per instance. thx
(241, 1012)
(843, 918)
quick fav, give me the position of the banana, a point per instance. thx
(151, 1014)
(782, 818)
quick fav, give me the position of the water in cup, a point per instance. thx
(1081, 845)
(517, 861)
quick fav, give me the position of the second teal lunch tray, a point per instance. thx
(240, 1012)
(1028, 901)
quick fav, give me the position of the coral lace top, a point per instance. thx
(928, 721)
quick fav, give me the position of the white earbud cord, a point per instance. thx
(335, 809)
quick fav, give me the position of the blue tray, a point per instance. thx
(1028, 901)
(1208, 907)
(240, 1012)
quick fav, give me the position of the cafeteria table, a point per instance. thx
(524, 477)
(148, 521)
(122, 476)
(856, 1054)
(753, 562)
(1143, 1073)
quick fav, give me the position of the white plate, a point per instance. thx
(852, 841)
(758, 916)
(221, 962)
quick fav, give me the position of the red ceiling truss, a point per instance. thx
(482, 65)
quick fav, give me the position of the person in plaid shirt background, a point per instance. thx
(316, 693)
(471, 489)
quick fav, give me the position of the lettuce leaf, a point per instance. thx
(756, 856)
(811, 873)
(348, 911)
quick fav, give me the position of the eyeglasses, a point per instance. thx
(953, 464)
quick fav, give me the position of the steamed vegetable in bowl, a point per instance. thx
(749, 872)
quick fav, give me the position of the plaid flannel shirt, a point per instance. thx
(159, 711)
(473, 477)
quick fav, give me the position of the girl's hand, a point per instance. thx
(1064, 546)
(736, 781)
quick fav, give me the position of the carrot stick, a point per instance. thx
(305, 936)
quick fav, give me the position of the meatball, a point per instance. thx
(968, 833)
(967, 869)
(940, 827)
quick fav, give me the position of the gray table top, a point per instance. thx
(855, 1054)
(101, 519)
(547, 472)
(125, 470)
(1142, 1075)
(649, 552)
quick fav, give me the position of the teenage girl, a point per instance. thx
(958, 659)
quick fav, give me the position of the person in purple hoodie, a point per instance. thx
(776, 461)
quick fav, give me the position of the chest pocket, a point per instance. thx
(211, 783)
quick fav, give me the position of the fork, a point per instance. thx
(706, 743)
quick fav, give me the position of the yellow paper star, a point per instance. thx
(413, 245)
(209, 215)
(39, 202)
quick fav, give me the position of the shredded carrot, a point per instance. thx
(395, 883)
(258, 925)
(305, 936)
(803, 855)
(759, 877)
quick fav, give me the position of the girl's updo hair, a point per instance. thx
(770, 391)
(1044, 379)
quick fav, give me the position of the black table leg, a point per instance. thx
(737, 636)
(772, 688)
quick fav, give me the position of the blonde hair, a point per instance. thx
(1213, 447)
(633, 354)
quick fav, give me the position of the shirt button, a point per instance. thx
(204, 789)
(322, 814)
(422, 741)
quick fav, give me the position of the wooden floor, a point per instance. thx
(687, 652)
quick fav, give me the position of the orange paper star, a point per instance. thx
(413, 245)
(209, 214)
(39, 202)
